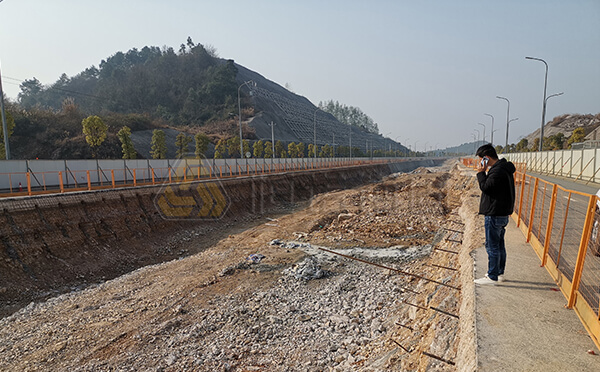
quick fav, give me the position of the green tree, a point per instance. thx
(10, 126)
(94, 130)
(258, 148)
(522, 145)
(311, 150)
(557, 141)
(536, 144)
(292, 150)
(221, 149)
(326, 151)
(202, 142)
(233, 147)
(268, 150)
(124, 136)
(350, 115)
(159, 145)
(279, 149)
(181, 144)
(246, 145)
(577, 136)
(300, 149)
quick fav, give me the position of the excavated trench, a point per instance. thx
(54, 244)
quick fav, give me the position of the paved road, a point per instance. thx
(522, 324)
(568, 183)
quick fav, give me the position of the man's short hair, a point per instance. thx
(487, 150)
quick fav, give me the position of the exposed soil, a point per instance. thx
(298, 309)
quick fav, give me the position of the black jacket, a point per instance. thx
(497, 189)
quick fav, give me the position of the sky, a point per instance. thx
(425, 71)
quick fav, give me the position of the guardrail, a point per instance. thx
(580, 164)
(99, 177)
(563, 227)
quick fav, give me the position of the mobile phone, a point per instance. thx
(484, 161)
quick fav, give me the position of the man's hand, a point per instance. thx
(481, 167)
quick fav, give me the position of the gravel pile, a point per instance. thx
(298, 324)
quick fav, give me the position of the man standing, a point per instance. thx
(497, 203)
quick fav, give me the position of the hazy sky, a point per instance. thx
(423, 70)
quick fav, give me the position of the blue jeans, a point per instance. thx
(494, 245)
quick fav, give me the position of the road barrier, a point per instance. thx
(46, 176)
(563, 227)
(579, 164)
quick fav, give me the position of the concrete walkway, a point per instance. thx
(522, 323)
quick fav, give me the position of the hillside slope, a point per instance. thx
(567, 123)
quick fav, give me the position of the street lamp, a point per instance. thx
(545, 99)
(507, 116)
(510, 121)
(315, 134)
(478, 134)
(483, 125)
(416, 147)
(249, 83)
(492, 131)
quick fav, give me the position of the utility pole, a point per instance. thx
(272, 125)
(4, 126)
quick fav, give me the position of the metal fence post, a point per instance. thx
(583, 244)
(532, 211)
(549, 224)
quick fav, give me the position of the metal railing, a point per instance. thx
(47, 182)
(563, 227)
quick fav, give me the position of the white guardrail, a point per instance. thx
(580, 164)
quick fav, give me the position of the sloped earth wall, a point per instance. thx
(53, 244)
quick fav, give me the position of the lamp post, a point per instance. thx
(350, 139)
(247, 83)
(315, 134)
(492, 130)
(4, 125)
(483, 125)
(272, 125)
(544, 101)
(507, 116)
(408, 154)
(478, 134)
(510, 121)
(425, 146)
(416, 147)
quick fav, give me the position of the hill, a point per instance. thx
(189, 91)
(566, 124)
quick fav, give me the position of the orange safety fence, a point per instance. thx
(563, 227)
(30, 183)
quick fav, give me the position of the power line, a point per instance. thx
(57, 89)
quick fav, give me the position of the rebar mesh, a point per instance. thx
(572, 235)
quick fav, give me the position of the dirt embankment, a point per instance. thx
(218, 311)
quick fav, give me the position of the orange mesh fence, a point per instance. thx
(563, 227)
